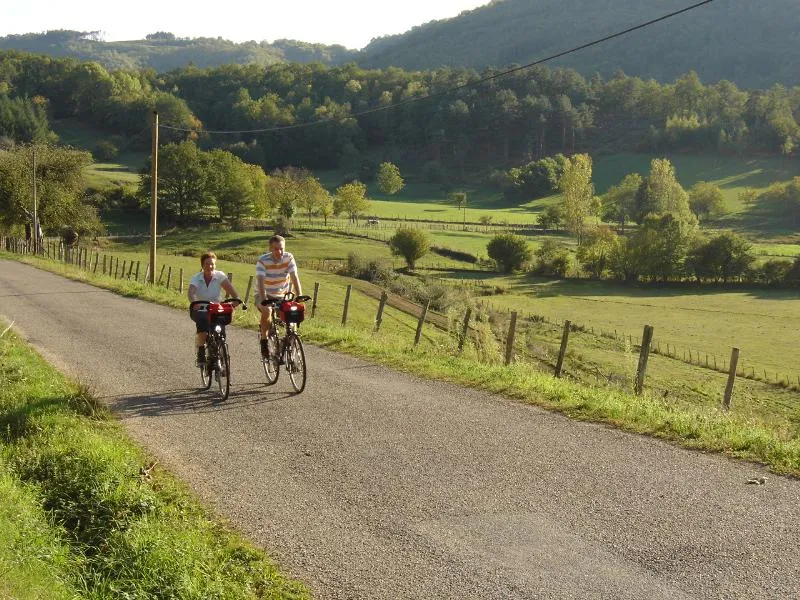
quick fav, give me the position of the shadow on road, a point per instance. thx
(188, 401)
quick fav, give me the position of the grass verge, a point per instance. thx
(78, 519)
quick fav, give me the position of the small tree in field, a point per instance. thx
(411, 244)
(351, 199)
(460, 200)
(509, 251)
(389, 179)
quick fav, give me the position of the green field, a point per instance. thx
(763, 323)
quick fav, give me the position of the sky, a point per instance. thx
(351, 23)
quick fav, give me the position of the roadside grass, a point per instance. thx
(697, 425)
(87, 523)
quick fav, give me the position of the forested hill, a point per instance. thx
(164, 52)
(750, 42)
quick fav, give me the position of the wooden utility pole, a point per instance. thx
(153, 199)
(35, 209)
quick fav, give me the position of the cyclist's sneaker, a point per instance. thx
(264, 348)
(201, 356)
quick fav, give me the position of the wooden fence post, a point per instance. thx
(421, 322)
(644, 354)
(169, 276)
(161, 274)
(512, 334)
(346, 303)
(314, 300)
(563, 350)
(130, 270)
(104, 264)
(96, 258)
(124, 264)
(85, 255)
(138, 264)
(246, 294)
(147, 273)
(230, 278)
(726, 400)
(464, 329)
(381, 306)
(180, 284)
(116, 267)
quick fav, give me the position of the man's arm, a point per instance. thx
(298, 291)
(192, 293)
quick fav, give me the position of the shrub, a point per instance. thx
(411, 244)
(105, 150)
(454, 254)
(553, 260)
(509, 251)
(552, 217)
(373, 271)
(774, 271)
(389, 179)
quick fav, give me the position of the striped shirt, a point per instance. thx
(275, 273)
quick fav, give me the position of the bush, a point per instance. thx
(723, 257)
(552, 217)
(509, 251)
(282, 225)
(774, 271)
(105, 151)
(411, 244)
(454, 254)
(373, 271)
(553, 260)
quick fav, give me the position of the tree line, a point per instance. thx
(510, 121)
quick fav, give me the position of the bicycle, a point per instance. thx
(288, 350)
(217, 363)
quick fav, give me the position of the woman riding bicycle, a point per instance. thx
(276, 274)
(207, 285)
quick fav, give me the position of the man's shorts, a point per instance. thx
(257, 299)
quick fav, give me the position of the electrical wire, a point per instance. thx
(457, 88)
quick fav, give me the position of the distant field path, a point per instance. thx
(378, 485)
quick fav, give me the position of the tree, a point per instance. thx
(659, 247)
(595, 251)
(720, 258)
(661, 194)
(619, 203)
(389, 179)
(351, 199)
(326, 209)
(706, 200)
(578, 193)
(411, 244)
(509, 251)
(183, 190)
(60, 183)
(460, 200)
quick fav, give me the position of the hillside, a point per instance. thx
(167, 53)
(744, 41)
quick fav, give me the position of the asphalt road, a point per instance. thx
(375, 484)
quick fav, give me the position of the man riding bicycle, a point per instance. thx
(276, 274)
(207, 285)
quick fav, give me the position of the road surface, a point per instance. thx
(378, 485)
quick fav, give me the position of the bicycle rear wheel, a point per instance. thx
(206, 375)
(270, 365)
(296, 363)
(223, 371)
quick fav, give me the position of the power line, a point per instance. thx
(458, 87)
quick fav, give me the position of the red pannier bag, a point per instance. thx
(292, 312)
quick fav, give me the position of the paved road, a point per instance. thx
(374, 484)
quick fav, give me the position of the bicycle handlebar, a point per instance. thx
(238, 302)
(287, 297)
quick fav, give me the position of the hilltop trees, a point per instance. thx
(660, 193)
(706, 200)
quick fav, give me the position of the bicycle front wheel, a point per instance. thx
(296, 363)
(223, 371)
(270, 363)
(206, 371)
